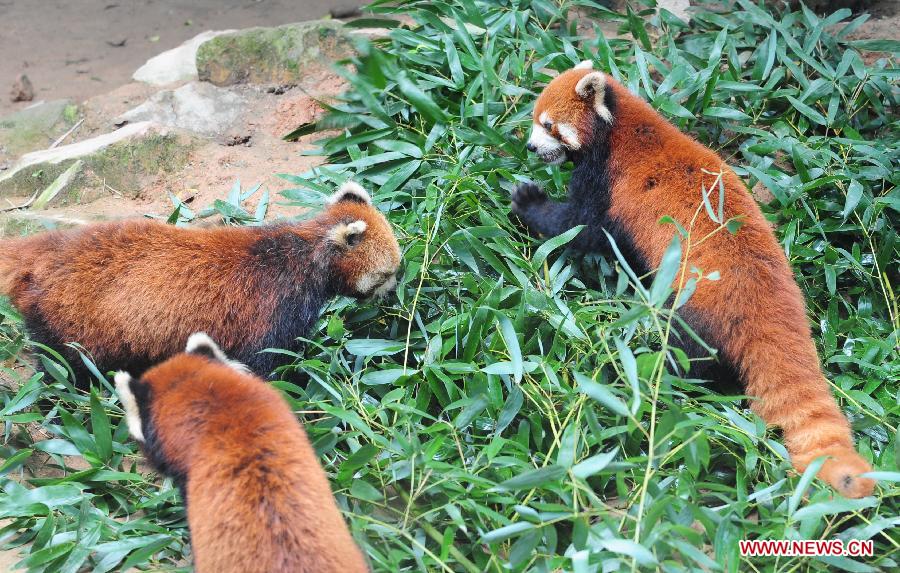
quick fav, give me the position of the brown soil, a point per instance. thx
(884, 24)
(70, 49)
(252, 151)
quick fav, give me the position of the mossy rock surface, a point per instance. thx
(282, 55)
(21, 223)
(36, 127)
(122, 168)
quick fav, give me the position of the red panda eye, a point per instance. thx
(548, 125)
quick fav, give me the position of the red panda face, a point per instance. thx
(369, 255)
(565, 112)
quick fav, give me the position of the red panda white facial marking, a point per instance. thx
(568, 135)
(377, 285)
(542, 141)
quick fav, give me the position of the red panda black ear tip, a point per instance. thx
(201, 344)
(350, 191)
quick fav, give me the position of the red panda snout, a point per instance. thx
(550, 148)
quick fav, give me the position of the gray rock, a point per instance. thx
(283, 55)
(175, 65)
(35, 127)
(120, 162)
(198, 107)
(677, 7)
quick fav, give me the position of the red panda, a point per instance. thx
(251, 288)
(257, 499)
(631, 168)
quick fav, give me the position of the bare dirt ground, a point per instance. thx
(884, 24)
(77, 49)
(213, 167)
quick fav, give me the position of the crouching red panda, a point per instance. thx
(257, 498)
(632, 168)
(129, 291)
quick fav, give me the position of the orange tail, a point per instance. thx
(793, 393)
(774, 350)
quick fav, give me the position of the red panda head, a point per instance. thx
(368, 256)
(200, 354)
(566, 111)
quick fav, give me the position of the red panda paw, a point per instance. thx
(842, 471)
(525, 196)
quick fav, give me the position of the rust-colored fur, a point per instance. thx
(250, 288)
(755, 312)
(257, 498)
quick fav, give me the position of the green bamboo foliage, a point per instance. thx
(519, 407)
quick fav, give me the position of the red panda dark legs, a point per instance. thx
(257, 499)
(541, 215)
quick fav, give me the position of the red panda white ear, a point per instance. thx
(347, 235)
(585, 65)
(592, 87)
(350, 191)
(129, 404)
(200, 343)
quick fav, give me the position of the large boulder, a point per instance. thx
(283, 55)
(197, 107)
(175, 65)
(35, 127)
(118, 163)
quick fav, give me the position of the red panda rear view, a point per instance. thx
(257, 499)
(631, 169)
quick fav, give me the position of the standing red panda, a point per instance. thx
(251, 288)
(632, 168)
(257, 498)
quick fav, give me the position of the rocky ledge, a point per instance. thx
(196, 119)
